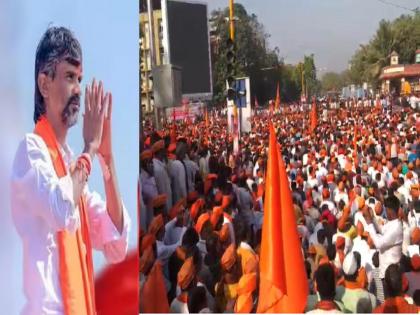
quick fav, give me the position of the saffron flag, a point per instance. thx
(277, 104)
(283, 282)
(314, 118)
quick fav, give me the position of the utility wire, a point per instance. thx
(398, 6)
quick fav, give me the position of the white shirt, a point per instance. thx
(177, 174)
(42, 204)
(163, 182)
(173, 233)
(389, 243)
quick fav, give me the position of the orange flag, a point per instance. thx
(283, 283)
(314, 118)
(277, 104)
(272, 271)
(294, 301)
(153, 294)
(207, 128)
(355, 137)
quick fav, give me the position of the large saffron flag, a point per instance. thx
(283, 282)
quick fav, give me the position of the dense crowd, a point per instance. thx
(355, 188)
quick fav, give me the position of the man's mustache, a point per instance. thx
(74, 99)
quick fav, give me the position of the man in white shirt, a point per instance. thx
(160, 172)
(58, 218)
(389, 242)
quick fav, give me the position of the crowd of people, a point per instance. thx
(354, 182)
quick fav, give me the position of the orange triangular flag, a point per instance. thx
(272, 269)
(295, 298)
(314, 119)
(153, 294)
(277, 104)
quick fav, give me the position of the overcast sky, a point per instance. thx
(330, 29)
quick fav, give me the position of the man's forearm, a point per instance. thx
(113, 198)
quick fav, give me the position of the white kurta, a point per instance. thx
(173, 233)
(177, 174)
(42, 204)
(389, 243)
(163, 182)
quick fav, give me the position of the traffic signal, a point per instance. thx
(230, 69)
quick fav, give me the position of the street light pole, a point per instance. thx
(152, 52)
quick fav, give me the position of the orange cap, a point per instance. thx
(146, 259)
(176, 209)
(159, 201)
(224, 233)
(186, 274)
(200, 222)
(229, 258)
(147, 241)
(146, 155)
(158, 145)
(215, 215)
(415, 262)
(196, 207)
(156, 224)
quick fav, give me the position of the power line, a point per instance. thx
(398, 6)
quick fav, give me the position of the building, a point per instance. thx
(401, 78)
(146, 84)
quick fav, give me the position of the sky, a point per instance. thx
(330, 29)
(108, 33)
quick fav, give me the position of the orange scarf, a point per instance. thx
(74, 249)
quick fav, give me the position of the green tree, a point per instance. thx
(252, 51)
(401, 35)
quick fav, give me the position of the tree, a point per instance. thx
(252, 51)
(401, 35)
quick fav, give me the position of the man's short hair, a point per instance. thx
(56, 45)
(392, 203)
(393, 281)
(197, 299)
(325, 281)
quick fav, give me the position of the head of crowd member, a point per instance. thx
(190, 238)
(414, 191)
(393, 283)
(159, 150)
(392, 206)
(243, 232)
(197, 300)
(350, 267)
(321, 236)
(181, 150)
(325, 282)
(146, 161)
(147, 259)
(231, 263)
(416, 297)
(187, 276)
(58, 73)
(157, 227)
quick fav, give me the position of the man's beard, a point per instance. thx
(71, 111)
